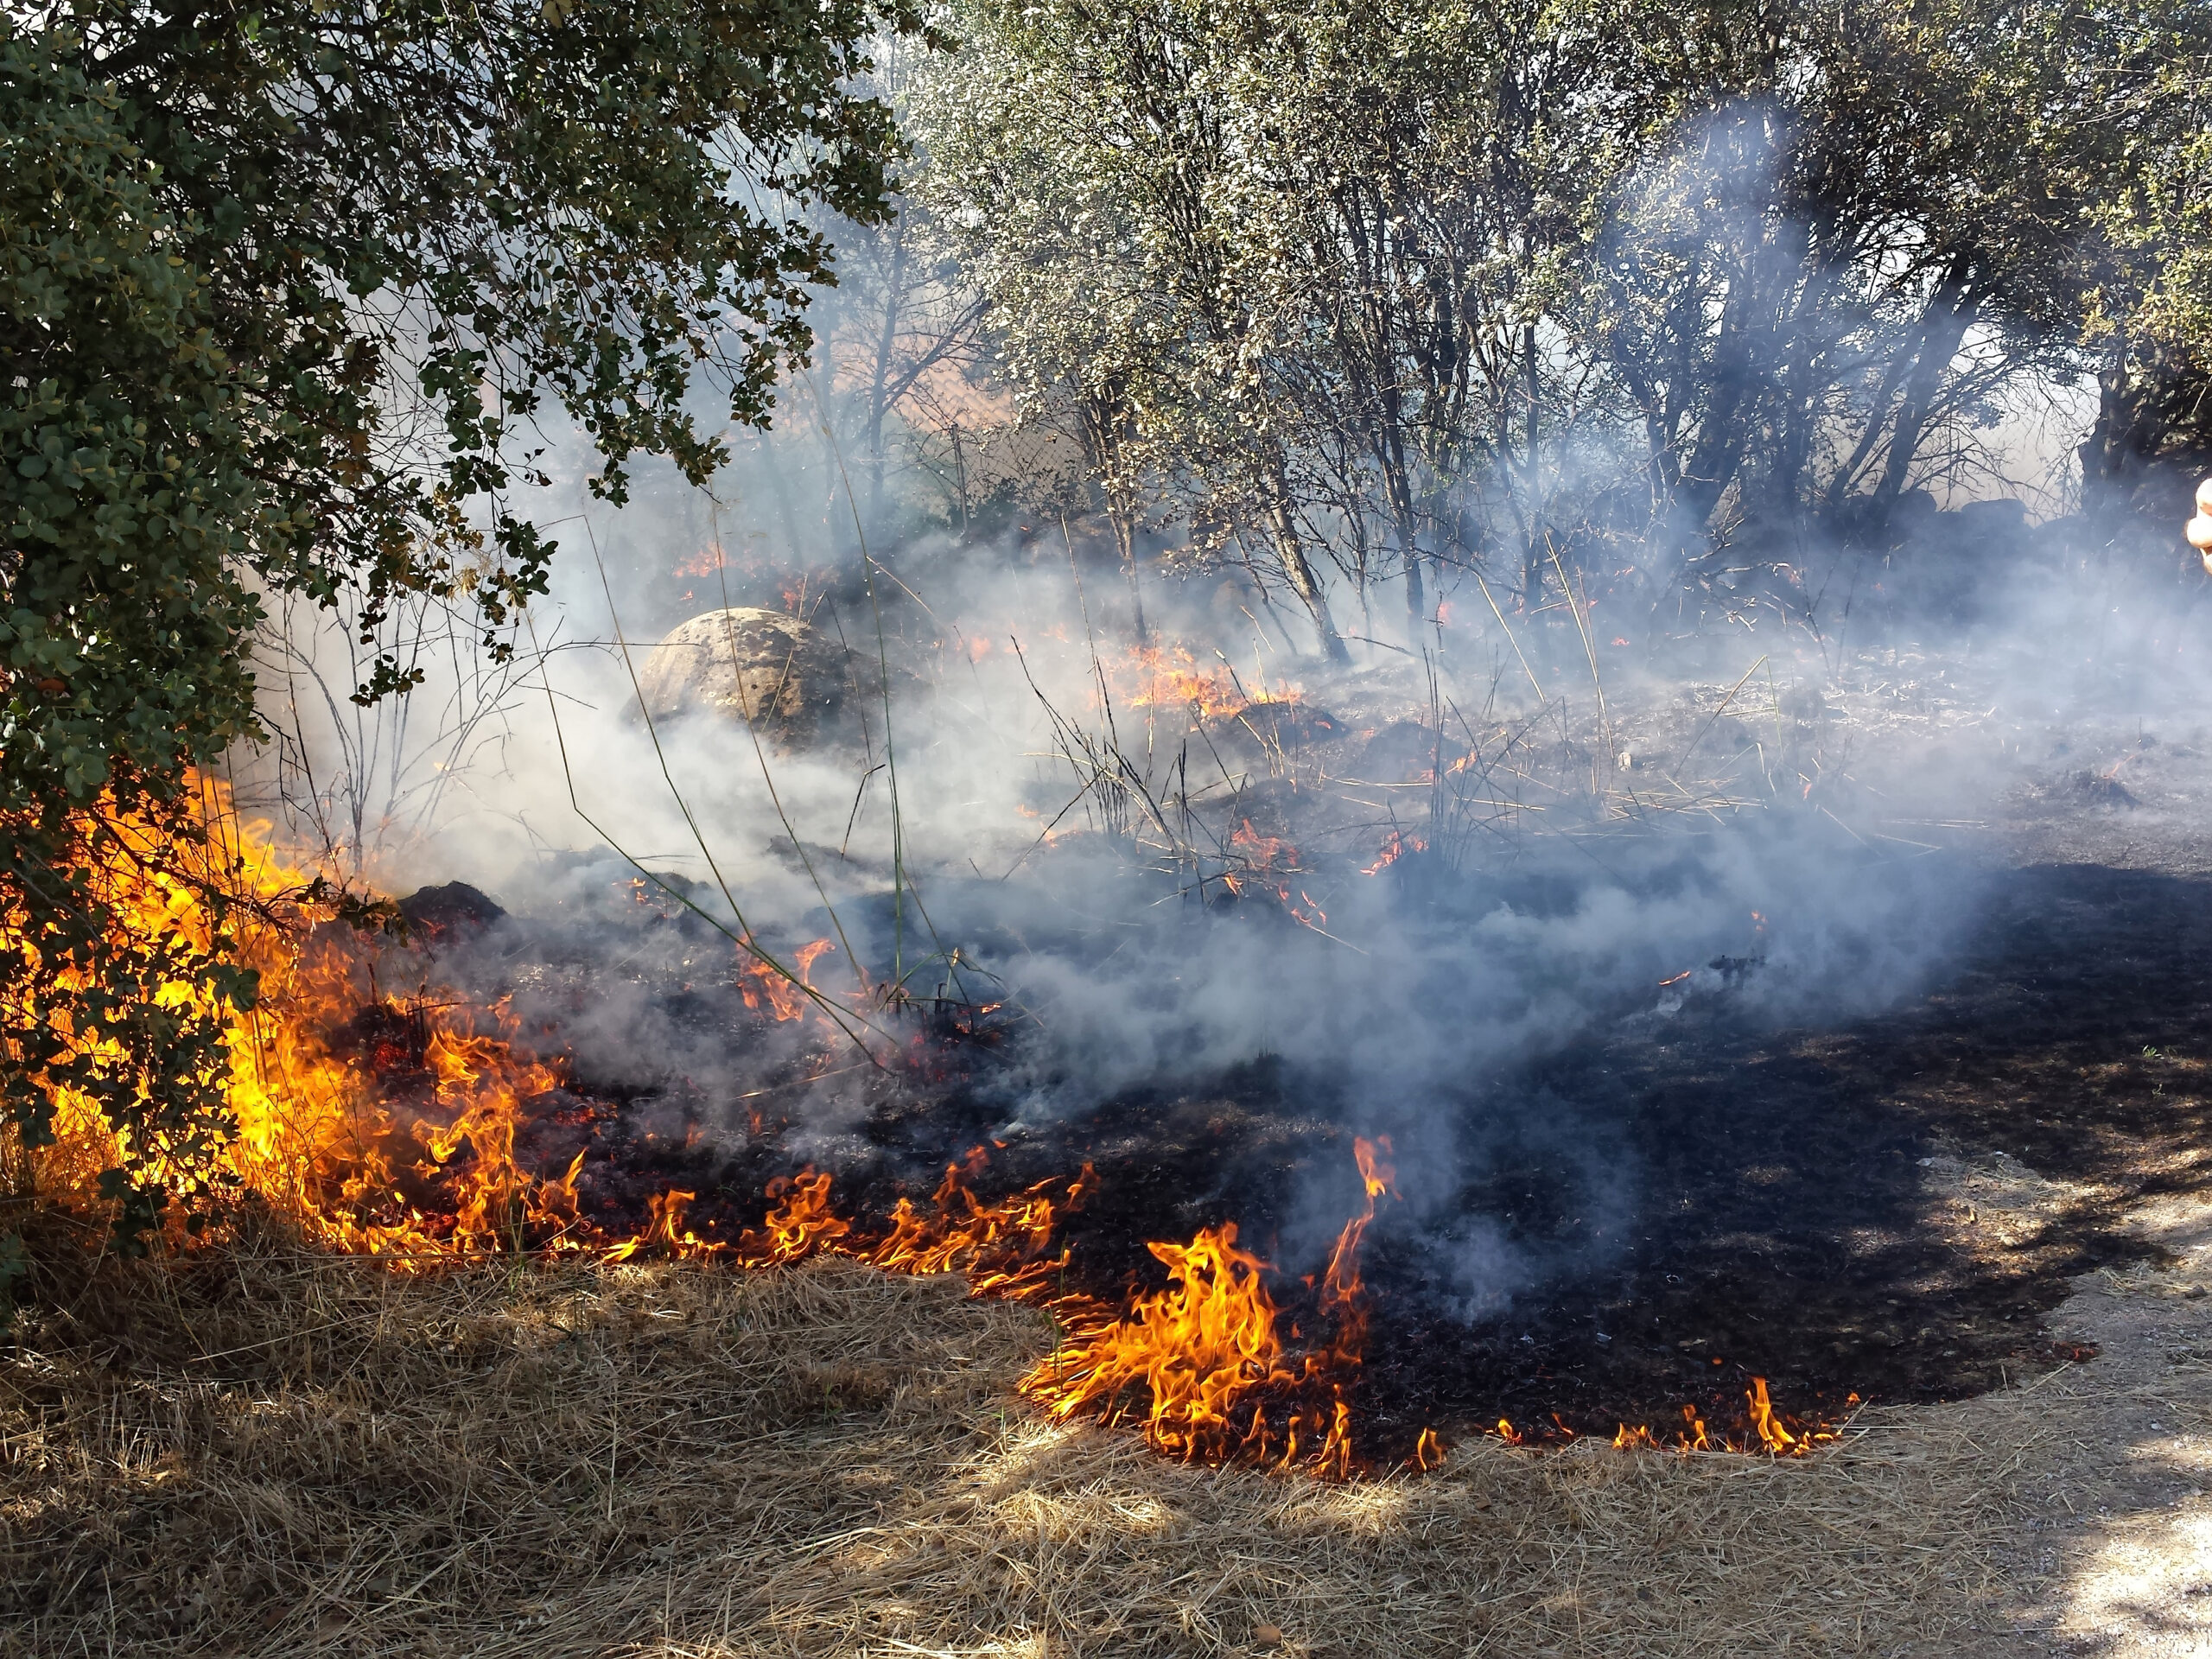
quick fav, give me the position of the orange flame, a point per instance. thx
(1395, 849)
(389, 1125)
(1203, 1361)
(799, 1222)
(706, 562)
(1263, 852)
(1198, 1349)
(1161, 676)
(765, 981)
(1776, 1439)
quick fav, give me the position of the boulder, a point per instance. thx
(758, 666)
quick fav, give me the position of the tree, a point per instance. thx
(2149, 311)
(1080, 156)
(284, 291)
(1689, 279)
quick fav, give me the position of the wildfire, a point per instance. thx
(1765, 1430)
(1266, 862)
(1395, 849)
(388, 1125)
(1000, 1246)
(706, 562)
(763, 982)
(1203, 1360)
(800, 1222)
(1150, 677)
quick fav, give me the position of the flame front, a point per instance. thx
(1167, 677)
(388, 1126)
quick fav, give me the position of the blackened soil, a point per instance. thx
(1787, 1221)
(1646, 1221)
(1724, 1204)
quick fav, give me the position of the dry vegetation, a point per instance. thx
(276, 1453)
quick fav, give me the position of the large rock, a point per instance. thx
(764, 667)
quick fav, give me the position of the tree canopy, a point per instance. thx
(1649, 283)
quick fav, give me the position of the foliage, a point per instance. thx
(1481, 281)
(284, 291)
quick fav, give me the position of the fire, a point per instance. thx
(1773, 1433)
(1198, 1349)
(706, 562)
(1341, 1289)
(1765, 1430)
(1203, 1361)
(665, 1233)
(1266, 862)
(762, 983)
(424, 1167)
(1000, 1246)
(1268, 853)
(388, 1124)
(1150, 677)
(1395, 849)
(799, 1222)
(1428, 1450)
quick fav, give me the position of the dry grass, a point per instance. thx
(279, 1453)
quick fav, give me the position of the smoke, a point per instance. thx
(1784, 816)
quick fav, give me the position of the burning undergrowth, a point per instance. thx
(1223, 1016)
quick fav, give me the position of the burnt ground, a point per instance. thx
(1891, 1209)
(1800, 1214)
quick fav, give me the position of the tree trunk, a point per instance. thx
(1295, 566)
(886, 343)
(1951, 313)
(1416, 599)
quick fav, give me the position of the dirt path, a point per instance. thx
(2108, 1548)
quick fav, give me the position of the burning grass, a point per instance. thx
(395, 1127)
(267, 1450)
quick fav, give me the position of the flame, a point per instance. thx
(1263, 852)
(1765, 1429)
(665, 1233)
(799, 1222)
(1149, 676)
(1428, 1452)
(388, 1125)
(706, 562)
(1203, 1360)
(1342, 1291)
(1198, 1351)
(1265, 862)
(1000, 1246)
(763, 983)
(1771, 1432)
(1395, 849)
